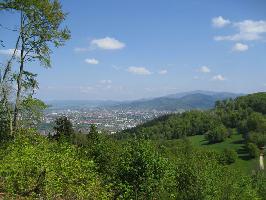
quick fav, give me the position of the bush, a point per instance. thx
(228, 156)
(253, 150)
(217, 134)
(32, 166)
(140, 171)
(257, 138)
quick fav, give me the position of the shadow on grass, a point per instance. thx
(239, 142)
(205, 142)
(243, 154)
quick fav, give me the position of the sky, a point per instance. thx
(124, 50)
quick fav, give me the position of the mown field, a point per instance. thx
(236, 142)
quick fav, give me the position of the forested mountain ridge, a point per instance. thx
(245, 115)
(201, 100)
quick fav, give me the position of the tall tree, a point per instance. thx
(39, 28)
(63, 128)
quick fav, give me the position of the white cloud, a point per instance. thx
(218, 77)
(10, 52)
(139, 70)
(220, 22)
(240, 47)
(105, 81)
(108, 43)
(163, 71)
(205, 69)
(91, 61)
(248, 30)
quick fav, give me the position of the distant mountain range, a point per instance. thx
(179, 102)
(198, 99)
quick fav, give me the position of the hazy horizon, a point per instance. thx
(143, 49)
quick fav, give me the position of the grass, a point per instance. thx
(236, 142)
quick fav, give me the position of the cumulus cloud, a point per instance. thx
(91, 61)
(9, 52)
(204, 69)
(240, 47)
(220, 22)
(138, 70)
(218, 77)
(248, 30)
(108, 43)
(163, 71)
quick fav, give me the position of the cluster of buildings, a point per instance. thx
(110, 120)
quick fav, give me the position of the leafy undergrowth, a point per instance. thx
(33, 166)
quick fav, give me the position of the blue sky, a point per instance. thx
(145, 48)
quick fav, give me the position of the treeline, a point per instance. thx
(244, 115)
(71, 165)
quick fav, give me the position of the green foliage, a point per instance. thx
(140, 171)
(39, 27)
(253, 150)
(174, 126)
(33, 166)
(31, 112)
(259, 183)
(218, 133)
(102, 150)
(93, 135)
(41, 22)
(257, 138)
(4, 124)
(200, 176)
(95, 166)
(228, 156)
(63, 128)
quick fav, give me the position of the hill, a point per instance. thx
(201, 100)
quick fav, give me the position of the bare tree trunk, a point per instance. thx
(21, 70)
(19, 82)
(4, 88)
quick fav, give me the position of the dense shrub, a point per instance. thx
(199, 176)
(140, 171)
(228, 156)
(217, 134)
(253, 150)
(33, 166)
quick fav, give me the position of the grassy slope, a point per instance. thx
(243, 162)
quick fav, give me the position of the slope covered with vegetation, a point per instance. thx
(197, 100)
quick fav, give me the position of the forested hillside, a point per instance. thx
(244, 115)
(200, 100)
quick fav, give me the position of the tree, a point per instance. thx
(93, 134)
(217, 134)
(31, 112)
(63, 128)
(253, 150)
(39, 27)
(228, 156)
(140, 171)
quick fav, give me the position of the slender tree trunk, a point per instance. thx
(4, 88)
(21, 70)
(18, 94)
